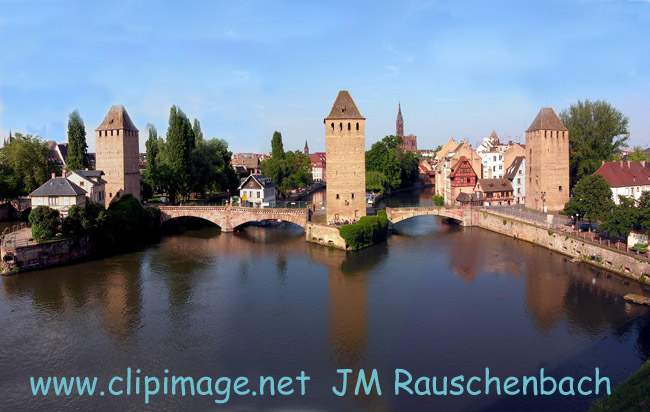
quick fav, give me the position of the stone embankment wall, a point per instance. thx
(600, 256)
(42, 255)
(324, 235)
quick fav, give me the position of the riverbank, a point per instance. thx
(631, 395)
(600, 256)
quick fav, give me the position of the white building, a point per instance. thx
(516, 173)
(626, 178)
(58, 193)
(257, 189)
(91, 181)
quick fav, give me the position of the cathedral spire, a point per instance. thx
(306, 147)
(400, 122)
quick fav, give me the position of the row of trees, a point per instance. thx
(592, 200)
(288, 170)
(124, 224)
(25, 162)
(185, 163)
(389, 167)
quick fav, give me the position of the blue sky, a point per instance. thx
(247, 68)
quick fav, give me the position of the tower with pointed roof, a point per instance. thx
(118, 150)
(345, 148)
(547, 162)
(306, 147)
(399, 123)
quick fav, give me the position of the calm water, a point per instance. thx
(435, 300)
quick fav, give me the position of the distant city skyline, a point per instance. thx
(246, 69)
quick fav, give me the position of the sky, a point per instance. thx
(246, 68)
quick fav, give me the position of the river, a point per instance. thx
(435, 299)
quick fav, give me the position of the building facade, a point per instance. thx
(117, 142)
(318, 162)
(91, 181)
(494, 192)
(258, 190)
(58, 193)
(516, 173)
(626, 178)
(462, 178)
(346, 161)
(547, 162)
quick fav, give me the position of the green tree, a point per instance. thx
(597, 132)
(25, 166)
(45, 222)
(438, 200)
(277, 148)
(376, 181)
(178, 150)
(592, 199)
(152, 146)
(644, 212)
(622, 218)
(410, 166)
(196, 129)
(638, 155)
(77, 158)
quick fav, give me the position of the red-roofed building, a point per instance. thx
(318, 166)
(626, 178)
(462, 178)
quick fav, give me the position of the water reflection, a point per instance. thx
(436, 297)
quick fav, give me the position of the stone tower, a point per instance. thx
(118, 152)
(306, 148)
(346, 160)
(399, 124)
(547, 162)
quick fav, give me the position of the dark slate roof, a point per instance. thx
(547, 120)
(117, 118)
(259, 178)
(89, 173)
(468, 197)
(494, 185)
(58, 186)
(344, 107)
(511, 171)
(623, 174)
(63, 148)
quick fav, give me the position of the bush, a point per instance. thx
(45, 222)
(438, 200)
(368, 231)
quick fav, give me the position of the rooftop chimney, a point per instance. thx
(642, 163)
(621, 162)
(53, 175)
(603, 163)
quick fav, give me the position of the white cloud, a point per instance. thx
(393, 70)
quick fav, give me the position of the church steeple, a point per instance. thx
(306, 147)
(400, 122)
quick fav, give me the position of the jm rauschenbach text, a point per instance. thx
(360, 382)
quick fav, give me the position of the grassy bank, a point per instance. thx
(631, 395)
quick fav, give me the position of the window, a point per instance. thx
(332, 126)
(337, 195)
(117, 194)
(110, 194)
(341, 126)
(52, 201)
(518, 180)
(560, 188)
(66, 201)
(357, 125)
(118, 132)
(349, 126)
(111, 133)
(352, 195)
(81, 184)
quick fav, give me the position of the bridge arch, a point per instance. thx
(461, 214)
(228, 218)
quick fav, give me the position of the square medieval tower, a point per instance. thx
(346, 160)
(118, 152)
(547, 162)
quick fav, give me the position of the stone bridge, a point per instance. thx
(229, 217)
(461, 214)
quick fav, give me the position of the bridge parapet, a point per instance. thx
(229, 217)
